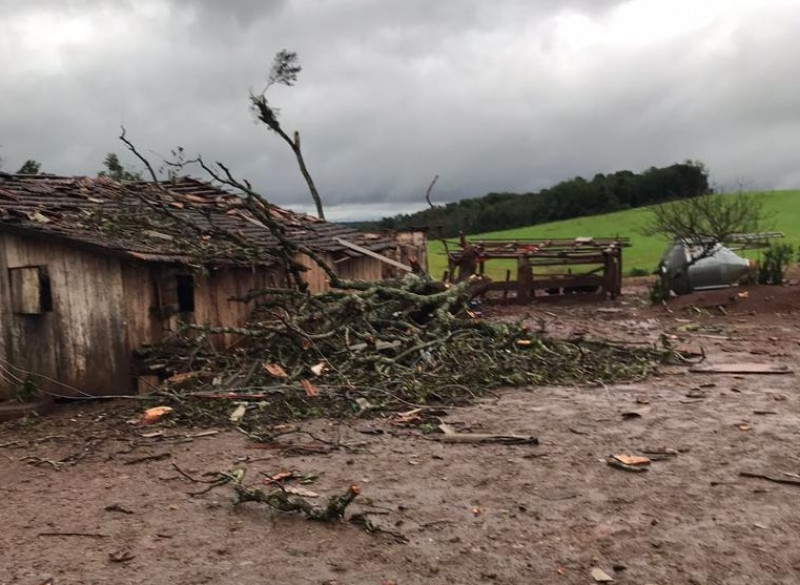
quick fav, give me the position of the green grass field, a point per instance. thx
(781, 210)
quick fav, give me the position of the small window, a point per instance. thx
(174, 294)
(30, 290)
(185, 293)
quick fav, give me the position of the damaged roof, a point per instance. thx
(184, 220)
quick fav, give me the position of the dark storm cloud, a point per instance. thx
(508, 95)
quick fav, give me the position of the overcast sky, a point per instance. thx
(501, 95)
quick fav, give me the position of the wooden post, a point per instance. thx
(524, 279)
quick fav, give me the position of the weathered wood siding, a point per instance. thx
(360, 268)
(80, 346)
(215, 295)
(103, 308)
(409, 243)
(363, 268)
(412, 243)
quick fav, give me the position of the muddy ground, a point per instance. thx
(452, 513)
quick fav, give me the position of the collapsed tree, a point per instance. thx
(364, 346)
(361, 347)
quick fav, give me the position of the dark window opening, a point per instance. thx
(45, 292)
(31, 293)
(185, 292)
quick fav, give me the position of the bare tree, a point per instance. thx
(284, 71)
(706, 220)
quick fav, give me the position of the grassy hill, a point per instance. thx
(781, 209)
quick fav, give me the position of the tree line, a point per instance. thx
(113, 168)
(576, 197)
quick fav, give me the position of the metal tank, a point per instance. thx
(685, 271)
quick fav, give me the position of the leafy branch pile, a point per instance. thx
(383, 347)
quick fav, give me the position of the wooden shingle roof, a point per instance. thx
(174, 221)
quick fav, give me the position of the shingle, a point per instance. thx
(116, 217)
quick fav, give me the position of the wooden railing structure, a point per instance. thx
(588, 265)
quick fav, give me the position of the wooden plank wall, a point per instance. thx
(82, 342)
(359, 268)
(102, 309)
(215, 295)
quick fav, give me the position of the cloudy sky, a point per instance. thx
(507, 95)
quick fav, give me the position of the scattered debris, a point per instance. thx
(601, 576)
(741, 368)
(577, 431)
(790, 479)
(310, 389)
(300, 491)
(635, 412)
(155, 414)
(275, 370)
(118, 508)
(238, 413)
(629, 462)
(362, 520)
(632, 459)
(451, 436)
(88, 448)
(280, 499)
(660, 453)
(280, 476)
(408, 342)
(156, 457)
(81, 534)
(427, 419)
(121, 556)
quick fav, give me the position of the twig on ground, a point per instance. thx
(156, 457)
(84, 534)
(772, 478)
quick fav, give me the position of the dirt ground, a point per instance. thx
(452, 513)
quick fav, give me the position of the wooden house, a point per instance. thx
(91, 270)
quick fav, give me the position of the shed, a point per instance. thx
(92, 269)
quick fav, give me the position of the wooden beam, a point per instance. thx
(372, 254)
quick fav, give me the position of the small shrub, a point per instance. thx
(27, 391)
(777, 258)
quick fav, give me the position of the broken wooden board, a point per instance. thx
(741, 368)
(450, 436)
(629, 463)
